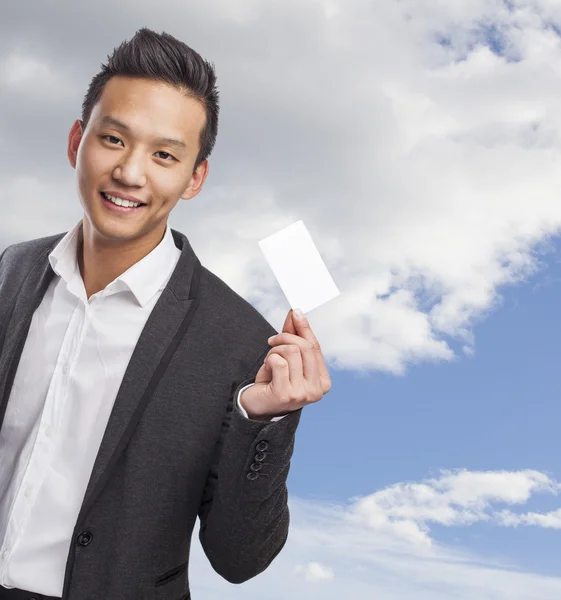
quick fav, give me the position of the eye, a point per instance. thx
(172, 157)
(109, 136)
(161, 152)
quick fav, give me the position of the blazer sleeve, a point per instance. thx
(244, 510)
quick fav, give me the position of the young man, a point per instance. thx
(137, 390)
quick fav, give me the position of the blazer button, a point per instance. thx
(256, 466)
(252, 476)
(85, 538)
(260, 457)
(262, 445)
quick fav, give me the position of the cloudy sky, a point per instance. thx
(420, 143)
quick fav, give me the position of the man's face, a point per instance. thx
(134, 161)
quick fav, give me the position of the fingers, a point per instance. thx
(307, 352)
(288, 375)
(315, 370)
(305, 331)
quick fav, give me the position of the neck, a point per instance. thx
(100, 264)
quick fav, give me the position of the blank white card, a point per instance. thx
(298, 267)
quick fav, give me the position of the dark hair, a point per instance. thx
(161, 57)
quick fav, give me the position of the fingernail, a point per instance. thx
(298, 312)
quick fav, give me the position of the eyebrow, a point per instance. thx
(120, 125)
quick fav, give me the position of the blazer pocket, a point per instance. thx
(170, 575)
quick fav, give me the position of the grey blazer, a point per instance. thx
(176, 446)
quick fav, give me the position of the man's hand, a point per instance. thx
(293, 373)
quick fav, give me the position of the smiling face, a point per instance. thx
(137, 159)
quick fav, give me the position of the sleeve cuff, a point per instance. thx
(244, 412)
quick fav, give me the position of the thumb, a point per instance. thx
(265, 374)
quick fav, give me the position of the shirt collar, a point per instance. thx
(144, 279)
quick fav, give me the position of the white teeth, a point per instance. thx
(120, 201)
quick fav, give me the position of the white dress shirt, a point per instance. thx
(67, 380)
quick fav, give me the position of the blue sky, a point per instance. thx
(499, 409)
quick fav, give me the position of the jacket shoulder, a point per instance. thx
(31, 248)
(240, 313)
(243, 329)
(19, 257)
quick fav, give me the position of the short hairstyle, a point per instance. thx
(163, 58)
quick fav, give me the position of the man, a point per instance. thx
(137, 390)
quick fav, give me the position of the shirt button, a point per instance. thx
(48, 431)
(65, 369)
(26, 492)
(4, 554)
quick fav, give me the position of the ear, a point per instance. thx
(197, 180)
(74, 139)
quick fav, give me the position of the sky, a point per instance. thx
(420, 143)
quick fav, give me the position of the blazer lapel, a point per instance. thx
(163, 331)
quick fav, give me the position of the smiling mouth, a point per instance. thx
(136, 204)
(119, 208)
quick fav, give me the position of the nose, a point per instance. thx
(130, 171)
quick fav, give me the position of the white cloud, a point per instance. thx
(371, 560)
(549, 520)
(315, 571)
(418, 141)
(24, 73)
(456, 498)
(424, 164)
